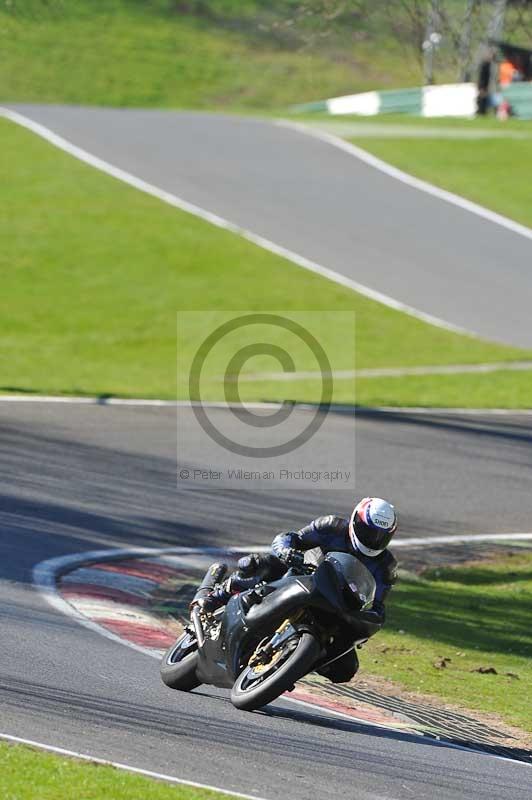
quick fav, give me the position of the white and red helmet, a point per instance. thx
(372, 525)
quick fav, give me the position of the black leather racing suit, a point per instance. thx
(329, 533)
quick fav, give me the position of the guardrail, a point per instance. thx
(445, 100)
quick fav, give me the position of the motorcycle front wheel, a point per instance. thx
(259, 685)
(178, 665)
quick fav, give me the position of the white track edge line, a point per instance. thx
(410, 180)
(46, 572)
(220, 222)
(140, 402)
(126, 767)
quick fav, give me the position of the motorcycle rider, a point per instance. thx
(366, 534)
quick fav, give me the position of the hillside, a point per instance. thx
(196, 54)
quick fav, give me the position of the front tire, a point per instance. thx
(252, 690)
(178, 665)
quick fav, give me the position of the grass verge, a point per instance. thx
(31, 774)
(406, 125)
(499, 389)
(475, 616)
(494, 172)
(493, 390)
(95, 273)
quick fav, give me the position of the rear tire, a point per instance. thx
(178, 665)
(248, 695)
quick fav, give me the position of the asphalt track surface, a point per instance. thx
(324, 204)
(76, 478)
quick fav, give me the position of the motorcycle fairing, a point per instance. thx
(220, 660)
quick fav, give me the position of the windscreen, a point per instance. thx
(355, 574)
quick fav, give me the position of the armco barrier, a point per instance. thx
(445, 100)
(403, 101)
(519, 95)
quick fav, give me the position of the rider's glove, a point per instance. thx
(248, 565)
(205, 605)
(292, 557)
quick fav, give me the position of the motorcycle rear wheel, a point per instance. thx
(253, 690)
(178, 665)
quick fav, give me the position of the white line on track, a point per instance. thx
(409, 180)
(126, 767)
(460, 539)
(349, 409)
(473, 412)
(88, 401)
(220, 222)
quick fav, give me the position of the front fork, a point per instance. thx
(195, 618)
(267, 647)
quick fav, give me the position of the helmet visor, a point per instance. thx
(372, 538)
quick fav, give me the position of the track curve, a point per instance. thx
(88, 477)
(323, 204)
(79, 478)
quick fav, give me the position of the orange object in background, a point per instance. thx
(506, 73)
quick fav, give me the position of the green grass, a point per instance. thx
(94, 274)
(30, 774)
(475, 124)
(499, 389)
(493, 390)
(476, 616)
(493, 172)
(131, 53)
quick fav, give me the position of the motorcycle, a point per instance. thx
(264, 640)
